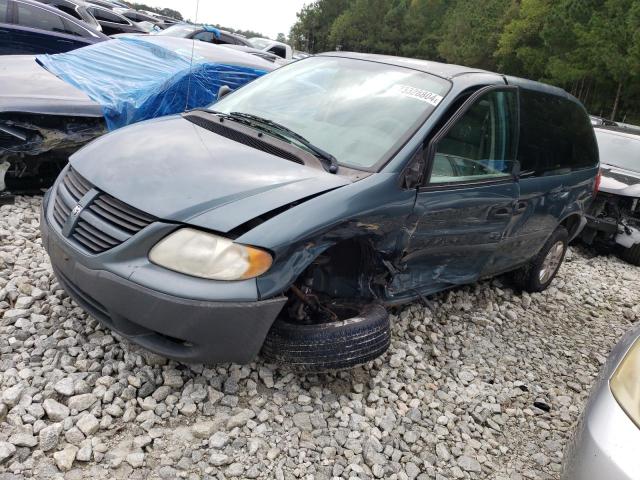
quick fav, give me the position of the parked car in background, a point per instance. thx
(112, 22)
(77, 9)
(204, 33)
(168, 21)
(29, 27)
(108, 4)
(138, 17)
(288, 214)
(51, 106)
(602, 122)
(271, 46)
(614, 217)
(270, 57)
(605, 443)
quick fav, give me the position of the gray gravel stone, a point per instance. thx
(55, 410)
(6, 451)
(64, 458)
(453, 398)
(48, 437)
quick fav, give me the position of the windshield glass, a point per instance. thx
(358, 111)
(259, 43)
(619, 149)
(178, 31)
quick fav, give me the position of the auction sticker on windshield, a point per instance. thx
(419, 94)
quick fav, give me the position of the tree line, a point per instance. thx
(591, 48)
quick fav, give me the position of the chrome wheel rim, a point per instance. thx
(551, 262)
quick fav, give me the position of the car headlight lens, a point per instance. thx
(625, 383)
(206, 255)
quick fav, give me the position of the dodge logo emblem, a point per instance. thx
(76, 210)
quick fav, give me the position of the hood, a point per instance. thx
(25, 86)
(620, 181)
(177, 171)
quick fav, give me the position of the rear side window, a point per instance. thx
(556, 135)
(69, 11)
(35, 17)
(73, 29)
(105, 16)
(204, 36)
(4, 4)
(481, 145)
(278, 50)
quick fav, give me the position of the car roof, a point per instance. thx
(444, 70)
(451, 71)
(208, 51)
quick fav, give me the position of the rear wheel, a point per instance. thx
(631, 254)
(538, 274)
(331, 345)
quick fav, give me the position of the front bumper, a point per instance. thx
(605, 445)
(175, 326)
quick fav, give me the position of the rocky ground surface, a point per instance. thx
(483, 384)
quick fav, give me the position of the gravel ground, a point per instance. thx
(483, 384)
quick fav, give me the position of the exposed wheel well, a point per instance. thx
(572, 223)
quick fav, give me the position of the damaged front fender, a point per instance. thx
(36, 146)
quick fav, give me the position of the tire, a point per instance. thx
(329, 346)
(531, 278)
(631, 254)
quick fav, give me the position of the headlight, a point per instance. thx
(209, 256)
(625, 383)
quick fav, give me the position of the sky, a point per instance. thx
(267, 17)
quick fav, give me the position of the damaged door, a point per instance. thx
(467, 198)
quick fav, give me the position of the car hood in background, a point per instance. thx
(180, 172)
(619, 181)
(27, 87)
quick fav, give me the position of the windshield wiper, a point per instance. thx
(328, 160)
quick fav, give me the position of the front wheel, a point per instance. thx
(538, 274)
(331, 345)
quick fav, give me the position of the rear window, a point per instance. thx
(619, 149)
(556, 135)
(36, 17)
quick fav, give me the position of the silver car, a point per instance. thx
(606, 441)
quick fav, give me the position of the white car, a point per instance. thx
(277, 48)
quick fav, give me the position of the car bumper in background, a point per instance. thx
(177, 327)
(605, 445)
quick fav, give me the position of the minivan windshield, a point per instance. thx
(359, 111)
(619, 149)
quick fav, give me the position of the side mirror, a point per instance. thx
(223, 91)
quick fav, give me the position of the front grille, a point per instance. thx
(104, 222)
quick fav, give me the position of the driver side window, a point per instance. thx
(482, 144)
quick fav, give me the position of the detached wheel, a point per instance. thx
(631, 254)
(538, 274)
(332, 345)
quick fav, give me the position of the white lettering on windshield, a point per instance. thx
(419, 94)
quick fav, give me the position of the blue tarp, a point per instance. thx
(135, 80)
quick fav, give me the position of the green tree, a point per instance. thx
(471, 31)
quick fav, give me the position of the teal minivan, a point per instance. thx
(286, 217)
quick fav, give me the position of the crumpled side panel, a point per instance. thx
(135, 80)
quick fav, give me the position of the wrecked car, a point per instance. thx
(613, 220)
(287, 216)
(51, 105)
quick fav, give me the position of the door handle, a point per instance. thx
(500, 212)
